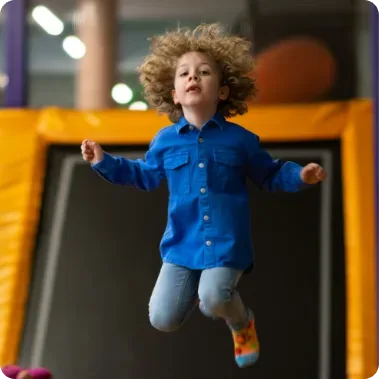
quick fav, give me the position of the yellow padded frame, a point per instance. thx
(26, 134)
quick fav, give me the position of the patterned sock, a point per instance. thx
(246, 345)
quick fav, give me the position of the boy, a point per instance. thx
(199, 78)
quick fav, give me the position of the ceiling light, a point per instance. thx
(138, 106)
(121, 93)
(48, 20)
(4, 80)
(74, 47)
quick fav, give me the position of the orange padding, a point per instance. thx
(26, 134)
(280, 123)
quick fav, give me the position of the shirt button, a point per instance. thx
(201, 140)
(206, 217)
(201, 165)
(191, 127)
(203, 190)
(209, 243)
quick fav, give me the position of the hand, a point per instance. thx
(92, 151)
(312, 173)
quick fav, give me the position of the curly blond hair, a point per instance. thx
(231, 53)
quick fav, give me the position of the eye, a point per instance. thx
(183, 74)
(204, 72)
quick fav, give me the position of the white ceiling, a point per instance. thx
(223, 10)
(138, 20)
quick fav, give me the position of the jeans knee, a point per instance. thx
(213, 300)
(164, 321)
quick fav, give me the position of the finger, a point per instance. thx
(310, 168)
(91, 144)
(96, 148)
(319, 171)
(84, 147)
(88, 157)
(86, 150)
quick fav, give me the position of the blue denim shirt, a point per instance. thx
(208, 221)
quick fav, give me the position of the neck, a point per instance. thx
(198, 117)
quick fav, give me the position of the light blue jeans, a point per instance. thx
(178, 291)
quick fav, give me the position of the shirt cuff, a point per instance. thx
(105, 165)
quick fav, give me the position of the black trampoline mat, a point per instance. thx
(97, 259)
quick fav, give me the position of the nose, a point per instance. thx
(193, 77)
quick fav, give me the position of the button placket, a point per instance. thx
(209, 257)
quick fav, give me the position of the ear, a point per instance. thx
(223, 92)
(174, 97)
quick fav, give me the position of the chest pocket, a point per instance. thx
(177, 173)
(229, 171)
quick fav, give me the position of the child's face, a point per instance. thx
(197, 82)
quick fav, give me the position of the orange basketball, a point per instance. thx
(294, 70)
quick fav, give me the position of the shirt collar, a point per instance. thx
(218, 119)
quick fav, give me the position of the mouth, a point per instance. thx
(193, 88)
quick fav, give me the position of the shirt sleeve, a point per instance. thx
(270, 174)
(145, 174)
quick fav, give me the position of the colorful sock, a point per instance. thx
(246, 345)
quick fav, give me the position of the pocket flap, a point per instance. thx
(229, 158)
(173, 161)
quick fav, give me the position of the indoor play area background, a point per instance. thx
(79, 257)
